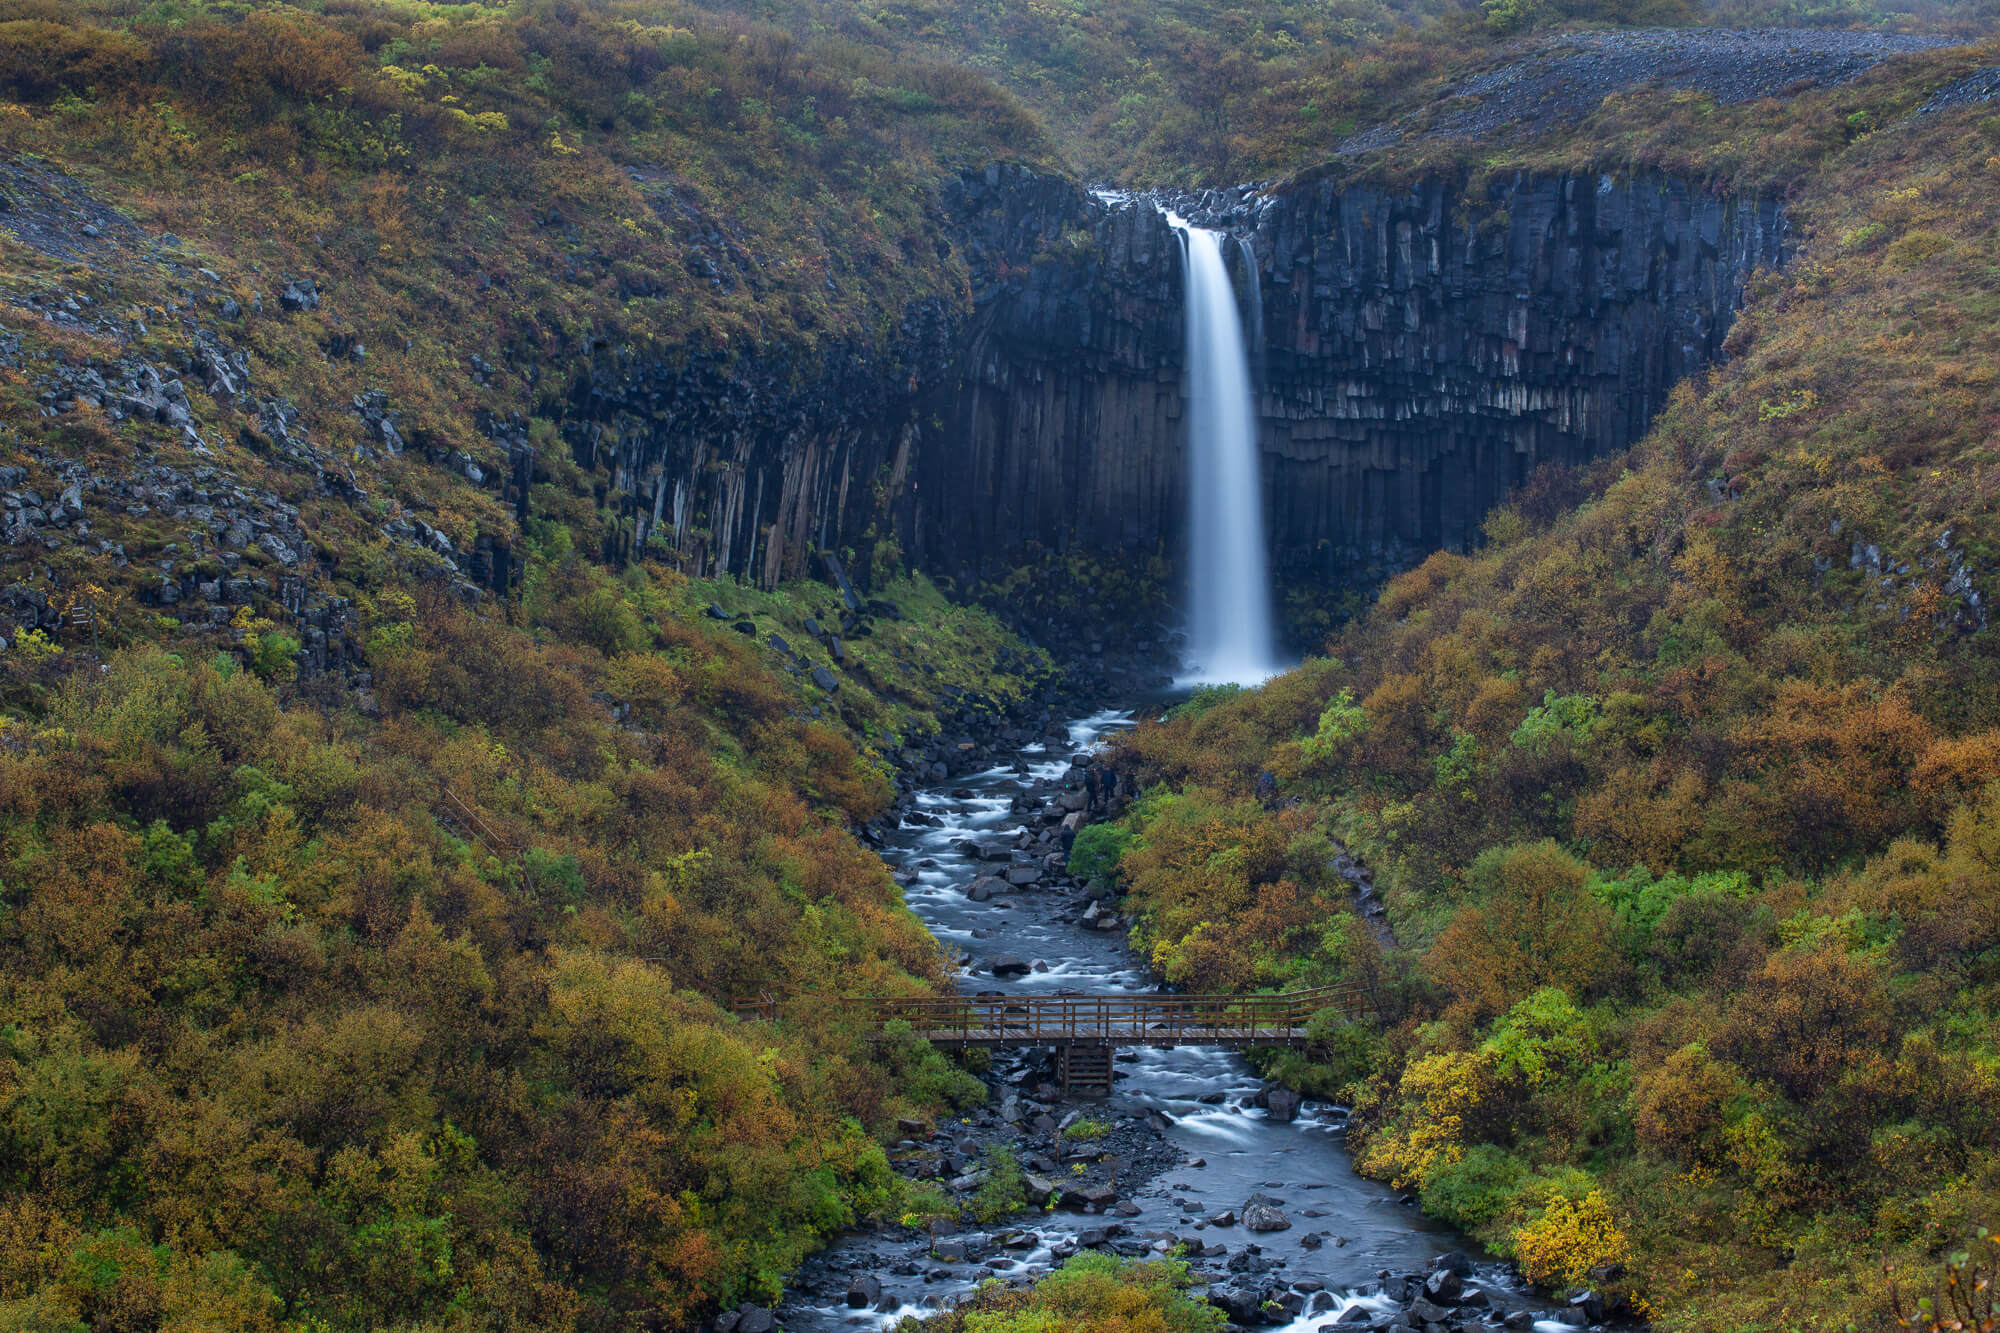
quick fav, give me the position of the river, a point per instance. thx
(1227, 1149)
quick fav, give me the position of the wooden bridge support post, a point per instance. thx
(1086, 1068)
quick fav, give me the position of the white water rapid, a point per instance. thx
(1230, 640)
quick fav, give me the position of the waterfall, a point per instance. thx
(1230, 639)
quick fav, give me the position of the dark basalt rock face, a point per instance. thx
(1421, 351)
(1421, 354)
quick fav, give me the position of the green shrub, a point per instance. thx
(1204, 698)
(1005, 1189)
(1096, 850)
(922, 1073)
(555, 878)
(1573, 718)
(1088, 1130)
(1092, 1293)
(1476, 1189)
(274, 655)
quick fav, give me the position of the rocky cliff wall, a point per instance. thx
(1421, 352)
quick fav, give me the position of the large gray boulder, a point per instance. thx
(1263, 1217)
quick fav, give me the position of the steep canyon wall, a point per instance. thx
(1422, 351)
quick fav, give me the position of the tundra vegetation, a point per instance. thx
(404, 1006)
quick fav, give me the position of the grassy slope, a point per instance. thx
(1680, 792)
(1190, 93)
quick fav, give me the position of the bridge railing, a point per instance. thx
(1124, 1019)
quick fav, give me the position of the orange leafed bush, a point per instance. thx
(40, 58)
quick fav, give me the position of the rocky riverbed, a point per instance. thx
(1191, 1155)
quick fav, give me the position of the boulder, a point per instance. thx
(863, 1292)
(1453, 1261)
(1243, 1305)
(1007, 965)
(1283, 1104)
(1263, 1217)
(755, 1319)
(1444, 1287)
(1428, 1310)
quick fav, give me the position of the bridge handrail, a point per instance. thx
(1023, 1018)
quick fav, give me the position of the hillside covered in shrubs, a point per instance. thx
(386, 826)
(1682, 794)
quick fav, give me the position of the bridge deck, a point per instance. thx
(1118, 1036)
(1101, 1020)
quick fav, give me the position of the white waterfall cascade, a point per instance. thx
(1230, 636)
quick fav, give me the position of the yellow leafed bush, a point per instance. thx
(1570, 1238)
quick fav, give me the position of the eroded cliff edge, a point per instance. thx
(1422, 351)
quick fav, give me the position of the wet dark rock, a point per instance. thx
(863, 1292)
(1428, 1312)
(1444, 1286)
(1243, 1305)
(1007, 965)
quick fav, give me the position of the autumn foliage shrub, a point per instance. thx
(40, 58)
(1092, 1293)
(420, 1020)
(1682, 802)
(1571, 1237)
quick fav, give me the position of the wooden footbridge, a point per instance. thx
(1085, 1029)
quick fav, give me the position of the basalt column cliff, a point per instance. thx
(1422, 351)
